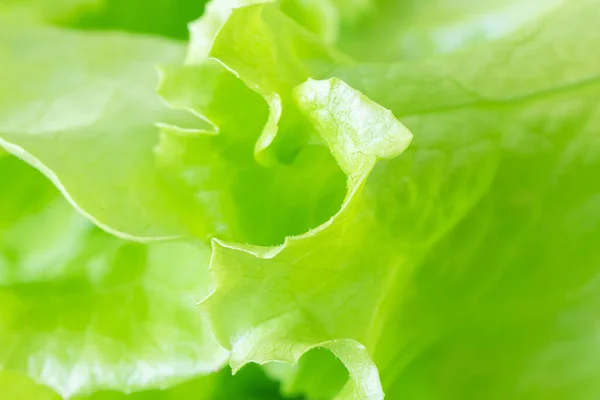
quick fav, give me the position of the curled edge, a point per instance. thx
(358, 132)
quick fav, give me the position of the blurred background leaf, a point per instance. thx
(159, 17)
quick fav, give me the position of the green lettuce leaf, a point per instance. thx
(258, 151)
(217, 169)
(272, 53)
(81, 108)
(53, 11)
(161, 17)
(323, 18)
(395, 30)
(82, 311)
(358, 132)
(129, 186)
(449, 263)
(463, 266)
(204, 30)
(248, 384)
(317, 375)
(20, 387)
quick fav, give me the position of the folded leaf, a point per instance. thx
(81, 108)
(216, 169)
(465, 260)
(299, 317)
(272, 53)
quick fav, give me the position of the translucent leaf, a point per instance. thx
(83, 311)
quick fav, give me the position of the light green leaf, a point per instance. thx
(82, 311)
(358, 133)
(272, 53)
(248, 384)
(457, 81)
(204, 30)
(241, 199)
(396, 30)
(15, 386)
(81, 108)
(247, 183)
(55, 11)
(470, 259)
(321, 17)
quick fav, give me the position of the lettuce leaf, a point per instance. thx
(83, 311)
(428, 219)
(54, 11)
(249, 384)
(63, 92)
(20, 387)
(413, 29)
(161, 17)
(387, 262)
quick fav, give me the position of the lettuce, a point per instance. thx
(369, 198)
(249, 384)
(83, 311)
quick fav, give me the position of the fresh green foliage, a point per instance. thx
(368, 198)
(81, 310)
